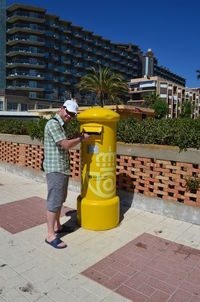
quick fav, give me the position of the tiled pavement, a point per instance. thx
(24, 214)
(148, 257)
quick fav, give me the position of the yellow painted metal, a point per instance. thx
(98, 205)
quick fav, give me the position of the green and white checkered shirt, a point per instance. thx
(56, 159)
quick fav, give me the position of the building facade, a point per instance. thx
(46, 58)
(173, 94)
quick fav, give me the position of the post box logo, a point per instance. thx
(103, 181)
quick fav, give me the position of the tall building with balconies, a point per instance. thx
(46, 58)
(2, 53)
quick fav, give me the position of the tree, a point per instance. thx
(150, 99)
(198, 75)
(160, 107)
(106, 84)
(186, 109)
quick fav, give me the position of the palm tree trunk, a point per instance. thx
(101, 101)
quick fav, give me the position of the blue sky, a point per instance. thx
(170, 28)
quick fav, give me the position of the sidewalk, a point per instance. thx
(143, 259)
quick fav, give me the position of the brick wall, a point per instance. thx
(22, 154)
(157, 178)
(148, 175)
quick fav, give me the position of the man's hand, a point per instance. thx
(85, 137)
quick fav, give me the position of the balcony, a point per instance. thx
(67, 72)
(21, 75)
(68, 51)
(66, 29)
(26, 16)
(24, 87)
(32, 28)
(25, 52)
(28, 41)
(67, 62)
(78, 45)
(24, 64)
(78, 35)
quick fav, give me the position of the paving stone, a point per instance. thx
(23, 214)
(133, 261)
(153, 261)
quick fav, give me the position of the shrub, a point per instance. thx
(192, 184)
(181, 132)
(161, 108)
(13, 127)
(184, 133)
(36, 128)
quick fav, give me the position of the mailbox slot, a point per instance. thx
(93, 130)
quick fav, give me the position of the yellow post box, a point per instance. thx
(98, 205)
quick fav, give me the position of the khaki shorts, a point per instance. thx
(57, 186)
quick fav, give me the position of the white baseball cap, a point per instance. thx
(71, 106)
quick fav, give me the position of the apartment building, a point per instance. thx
(46, 57)
(151, 68)
(173, 94)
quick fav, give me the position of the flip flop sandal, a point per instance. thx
(55, 243)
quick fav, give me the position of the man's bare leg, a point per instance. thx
(57, 225)
(51, 219)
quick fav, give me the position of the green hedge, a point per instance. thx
(184, 133)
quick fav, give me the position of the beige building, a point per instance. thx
(173, 94)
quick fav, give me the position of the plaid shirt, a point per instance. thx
(56, 159)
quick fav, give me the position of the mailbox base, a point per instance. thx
(98, 215)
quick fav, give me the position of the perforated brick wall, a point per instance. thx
(156, 178)
(9, 152)
(24, 155)
(75, 163)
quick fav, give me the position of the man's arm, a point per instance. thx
(67, 144)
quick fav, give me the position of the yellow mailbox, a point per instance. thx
(98, 205)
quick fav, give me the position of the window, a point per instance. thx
(12, 106)
(32, 95)
(32, 72)
(42, 106)
(163, 85)
(31, 106)
(1, 105)
(32, 84)
(24, 107)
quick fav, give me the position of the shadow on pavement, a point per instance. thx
(70, 225)
(126, 197)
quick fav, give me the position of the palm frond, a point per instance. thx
(104, 83)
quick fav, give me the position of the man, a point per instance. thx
(57, 168)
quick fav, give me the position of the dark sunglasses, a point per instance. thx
(72, 114)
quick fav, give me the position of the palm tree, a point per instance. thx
(198, 75)
(106, 84)
(150, 99)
